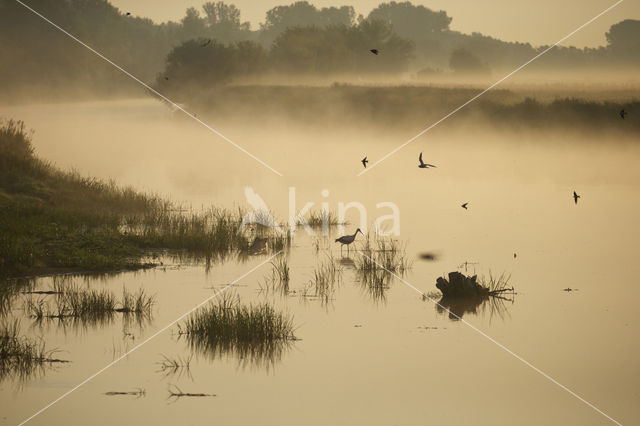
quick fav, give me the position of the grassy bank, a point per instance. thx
(53, 221)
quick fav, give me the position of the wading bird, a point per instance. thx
(464, 206)
(374, 51)
(623, 113)
(424, 165)
(364, 162)
(348, 239)
(575, 197)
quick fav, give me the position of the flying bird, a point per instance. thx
(207, 43)
(575, 197)
(464, 206)
(424, 165)
(364, 162)
(623, 113)
(374, 51)
(348, 239)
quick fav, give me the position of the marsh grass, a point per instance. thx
(89, 306)
(257, 334)
(326, 276)
(53, 221)
(323, 218)
(382, 253)
(378, 259)
(20, 356)
(278, 280)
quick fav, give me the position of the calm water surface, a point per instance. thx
(362, 359)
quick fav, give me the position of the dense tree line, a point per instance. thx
(295, 38)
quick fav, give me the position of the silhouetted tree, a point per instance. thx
(624, 40)
(339, 48)
(212, 65)
(223, 21)
(409, 20)
(301, 14)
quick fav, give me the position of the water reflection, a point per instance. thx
(457, 307)
(255, 355)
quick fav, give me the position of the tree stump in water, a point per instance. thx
(460, 285)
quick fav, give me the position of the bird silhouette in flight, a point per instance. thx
(208, 42)
(424, 165)
(364, 162)
(575, 197)
(623, 113)
(374, 51)
(464, 206)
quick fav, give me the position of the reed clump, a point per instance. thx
(21, 356)
(325, 278)
(89, 305)
(255, 333)
(278, 280)
(382, 253)
(323, 218)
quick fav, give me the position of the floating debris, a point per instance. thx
(176, 392)
(138, 393)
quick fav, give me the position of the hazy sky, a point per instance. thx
(535, 21)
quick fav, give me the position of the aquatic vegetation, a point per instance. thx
(20, 356)
(323, 218)
(325, 277)
(88, 305)
(53, 221)
(278, 281)
(382, 253)
(254, 333)
(175, 366)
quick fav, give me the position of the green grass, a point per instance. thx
(54, 221)
(254, 333)
(87, 305)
